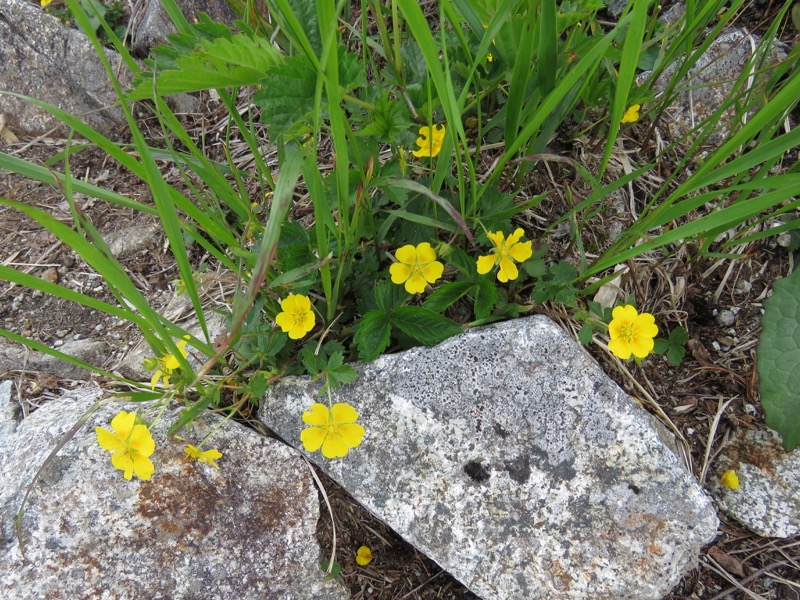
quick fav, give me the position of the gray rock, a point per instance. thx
(45, 59)
(129, 241)
(15, 357)
(152, 25)
(710, 83)
(245, 530)
(510, 459)
(768, 499)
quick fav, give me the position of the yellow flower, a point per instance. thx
(364, 556)
(489, 57)
(169, 363)
(632, 114)
(430, 141)
(44, 3)
(335, 430)
(730, 480)
(206, 456)
(631, 332)
(416, 267)
(297, 318)
(130, 445)
(505, 252)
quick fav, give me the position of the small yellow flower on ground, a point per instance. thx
(416, 267)
(631, 332)
(429, 141)
(169, 363)
(297, 318)
(335, 430)
(730, 479)
(44, 3)
(130, 445)
(364, 556)
(489, 57)
(205, 456)
(632, 114)
(505, 252)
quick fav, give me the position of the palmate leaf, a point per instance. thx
(779, 360)
(241, 60)
(287, 96)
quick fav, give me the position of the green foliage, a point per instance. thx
(673, 346)
(779, 360)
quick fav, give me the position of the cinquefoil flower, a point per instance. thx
(205, 456)
(429, 141)
(632, 114)
(631, 332)
(730, 480)
(169, 363)
(505, 252)
(297, 318)
(130, 445)
(364, 556)
(416, 267)
(335, 430)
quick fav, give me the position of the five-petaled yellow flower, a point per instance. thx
(335, 430)
(364, 556)
(632, 114)
(205, 456)
(416, 267)
(730, 480)
(169, 363)
(505, 252)
(429, 141)
(631, 332)
(130, 445)
(297, 318)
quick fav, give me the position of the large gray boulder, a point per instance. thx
(245, 530)
(43, 58)
(508, 457)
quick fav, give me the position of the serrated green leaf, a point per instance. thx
(447, 295)
(239, 61)
(779, 360)
(486, 297)
(585, 334)
(389, 296)
(287, 96)
(306, 13)
(373, 335)
(675, 354)
(388, 120)
(463, 262)
(423, 325)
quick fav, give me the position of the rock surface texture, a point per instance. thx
(508, 457)
(245, 530)
(768, 499)
(42, 58)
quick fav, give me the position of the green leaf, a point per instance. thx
(389, 119)
(389, 296)
(423, 325)
(486, 298)
(238, 61)
(779, 360)
(446, 295)
(585, 334)
(305, 11)
(287, 97)
(373, 335)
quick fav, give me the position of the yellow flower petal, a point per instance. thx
(123, 423)
(406, 254)
(141, 441)
(433, 271)
(522, 251)
(399, 272)
(486, 263)
(632, 114)
(416, 284)
(730, 480)
(508, 271)
(312, 438)
(122, 460)
(143, 467)
(334, 447)
(425, 253)
(352, 434)
(107, 440)
(343, 413)
(364, 556)
(317, 414)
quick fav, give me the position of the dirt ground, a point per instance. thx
(719, 302)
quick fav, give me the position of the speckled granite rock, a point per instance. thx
(45, 59)
(768, 499)
(245, 530)
(508, 457)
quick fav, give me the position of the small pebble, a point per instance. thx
(726, 318)
(58, 343)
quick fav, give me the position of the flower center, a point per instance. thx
(627, 332)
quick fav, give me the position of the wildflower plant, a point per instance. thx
(130, 444)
